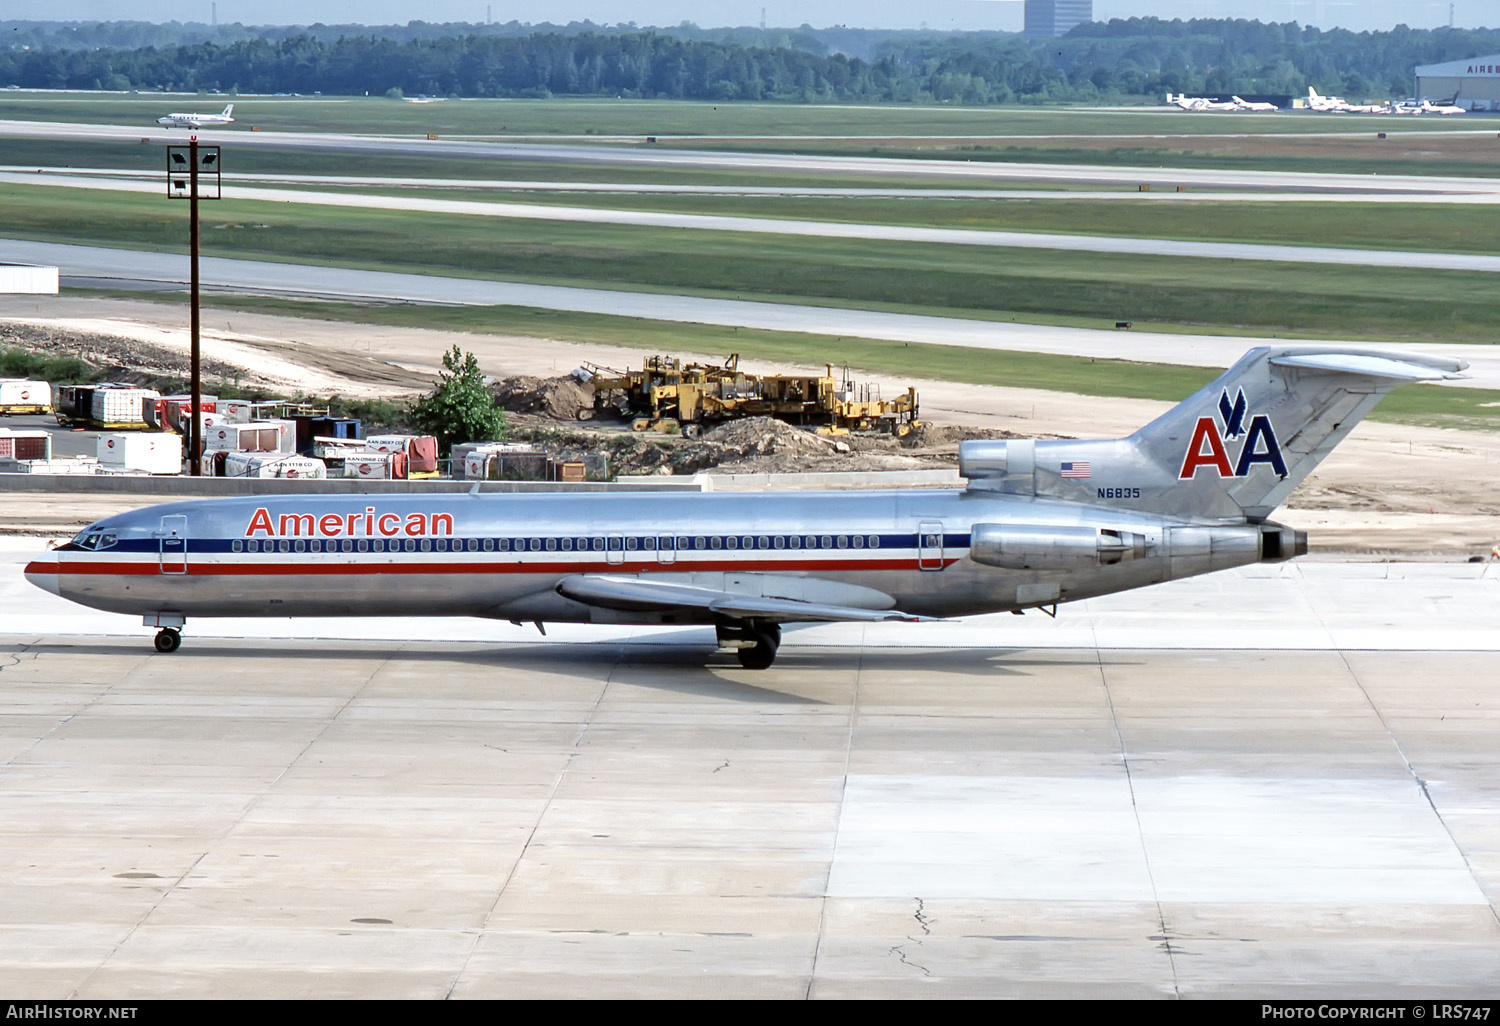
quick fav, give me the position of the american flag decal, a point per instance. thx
(1076, 469)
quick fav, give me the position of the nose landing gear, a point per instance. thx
(169, 634)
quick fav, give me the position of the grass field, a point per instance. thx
(1452, 153)
(1437, 228)
(1042, 286)
(1475, 409)
(1032, 286)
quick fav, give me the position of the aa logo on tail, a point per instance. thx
(1209, 449)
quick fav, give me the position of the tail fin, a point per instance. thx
(228, 110)
(1312, 94)
(1235, 449)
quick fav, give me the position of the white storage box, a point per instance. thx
(121, 406)
(235, 411)
(257, 436)
(249, 464)
(21, 395)
(376, 466)
(152, 453)
(24, 445)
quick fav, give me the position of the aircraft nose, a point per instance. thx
(43, 574)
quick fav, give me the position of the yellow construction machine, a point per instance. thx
(667, 396)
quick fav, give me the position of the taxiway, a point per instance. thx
(1278, 782)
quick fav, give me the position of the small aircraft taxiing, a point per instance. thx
(1041, 522)
(198, 120)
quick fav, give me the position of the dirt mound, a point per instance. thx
(559, 398)
(947, 436)
(120, 359)
(766, 436)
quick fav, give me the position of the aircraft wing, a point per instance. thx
(636, 593)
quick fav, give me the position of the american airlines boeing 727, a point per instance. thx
(1040, 523)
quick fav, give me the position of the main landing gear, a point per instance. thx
(755, 643)
(168, 640)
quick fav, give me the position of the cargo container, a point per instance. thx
(346, 428)
(154, 412)
(250, 464)
(164, 412)
(421, 451)
(79, 465)
(206, 423)
(236, 411)
(120, 407)
(376, 466)
(154, 453)
(21, 395)
(177, 407)
(75, 404)
(338, 448)
(252, 437)
(24, 445)
(510, 464)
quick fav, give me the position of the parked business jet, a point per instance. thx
(1324, 103)
(197, 120)
(1200, 103)
(1443, 107)
(1041, 522)
(1256, 105)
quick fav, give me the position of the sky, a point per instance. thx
(936, 14)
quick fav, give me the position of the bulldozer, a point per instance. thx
(667, 396)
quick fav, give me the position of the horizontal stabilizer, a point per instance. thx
(641, 593)
(1403, 367)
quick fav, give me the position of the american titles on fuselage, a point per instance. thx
(368, 524)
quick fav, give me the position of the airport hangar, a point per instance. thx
(1474, 83)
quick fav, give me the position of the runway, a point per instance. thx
(32, 175)
(1182, 249)
(1280, 782)
(641, 154)
(110, 268)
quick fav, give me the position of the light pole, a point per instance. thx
(184, 172)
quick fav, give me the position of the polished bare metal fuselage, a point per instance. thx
(143, 571)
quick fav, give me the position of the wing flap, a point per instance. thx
(633, 593)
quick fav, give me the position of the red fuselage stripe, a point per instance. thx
(257, 569)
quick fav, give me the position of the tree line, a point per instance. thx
(1119, 60)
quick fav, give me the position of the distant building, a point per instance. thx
(1046, 19)
(1475, 82)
